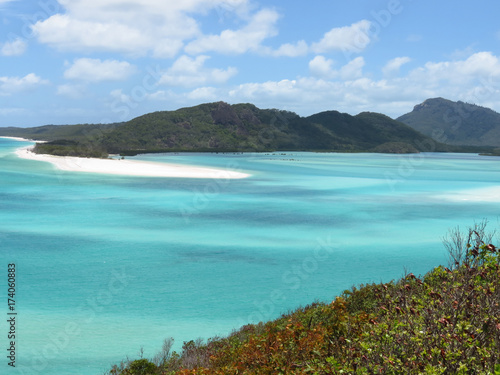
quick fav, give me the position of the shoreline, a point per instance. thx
(128, 167)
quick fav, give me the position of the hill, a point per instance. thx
(374, 132)
(446, 322)
(455, 123)
(220, 127)
(244, 127)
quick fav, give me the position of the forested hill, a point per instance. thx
(220, 127)
(244, 127)
(455, 123)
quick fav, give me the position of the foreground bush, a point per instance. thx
(447, 322)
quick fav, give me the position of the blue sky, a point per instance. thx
(99, 61)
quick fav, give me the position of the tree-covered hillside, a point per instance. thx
(220, 127)
(244, 127)
(455, 123)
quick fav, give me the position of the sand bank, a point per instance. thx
(490, 194)
(129, 167)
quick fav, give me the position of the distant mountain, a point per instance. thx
(455, 123)
(220, 127)
(375, 132)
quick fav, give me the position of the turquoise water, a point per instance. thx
(107, 265)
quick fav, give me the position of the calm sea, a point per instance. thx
(107, 265)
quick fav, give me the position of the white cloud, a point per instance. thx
(131, 9)
(15, 48)
(310, 95)
(12, 85)
(119, 95)
(349, 39)
(161, 95)
(353, 69)
(353, 38)
(69, 33)
(165, 28)
(393, 66)
(474, 79)
(189, 72)
(203, 94)
(134, 27)
(95, 70)
(322, 67)
(257, 91)
(480, 64)
(288, 50)
(249, 38)
(478, 67)
(347, 89)
(71, 91)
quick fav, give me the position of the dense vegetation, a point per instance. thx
(244, 127)
(455, 123)
(71, 148)
(446, 322)
(220, 127)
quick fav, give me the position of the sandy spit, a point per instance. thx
(129, 167)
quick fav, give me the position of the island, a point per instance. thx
(221, 127)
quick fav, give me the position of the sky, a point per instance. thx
(102, 61)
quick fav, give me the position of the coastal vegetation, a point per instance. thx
(71, 148)
(220, 127)
(445, 322)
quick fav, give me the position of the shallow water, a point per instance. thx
(107, 265)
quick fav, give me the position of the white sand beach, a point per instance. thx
(129, 167)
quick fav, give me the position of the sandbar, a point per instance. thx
(488, 194)
(129, 167)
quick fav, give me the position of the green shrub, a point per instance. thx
(142, 367)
